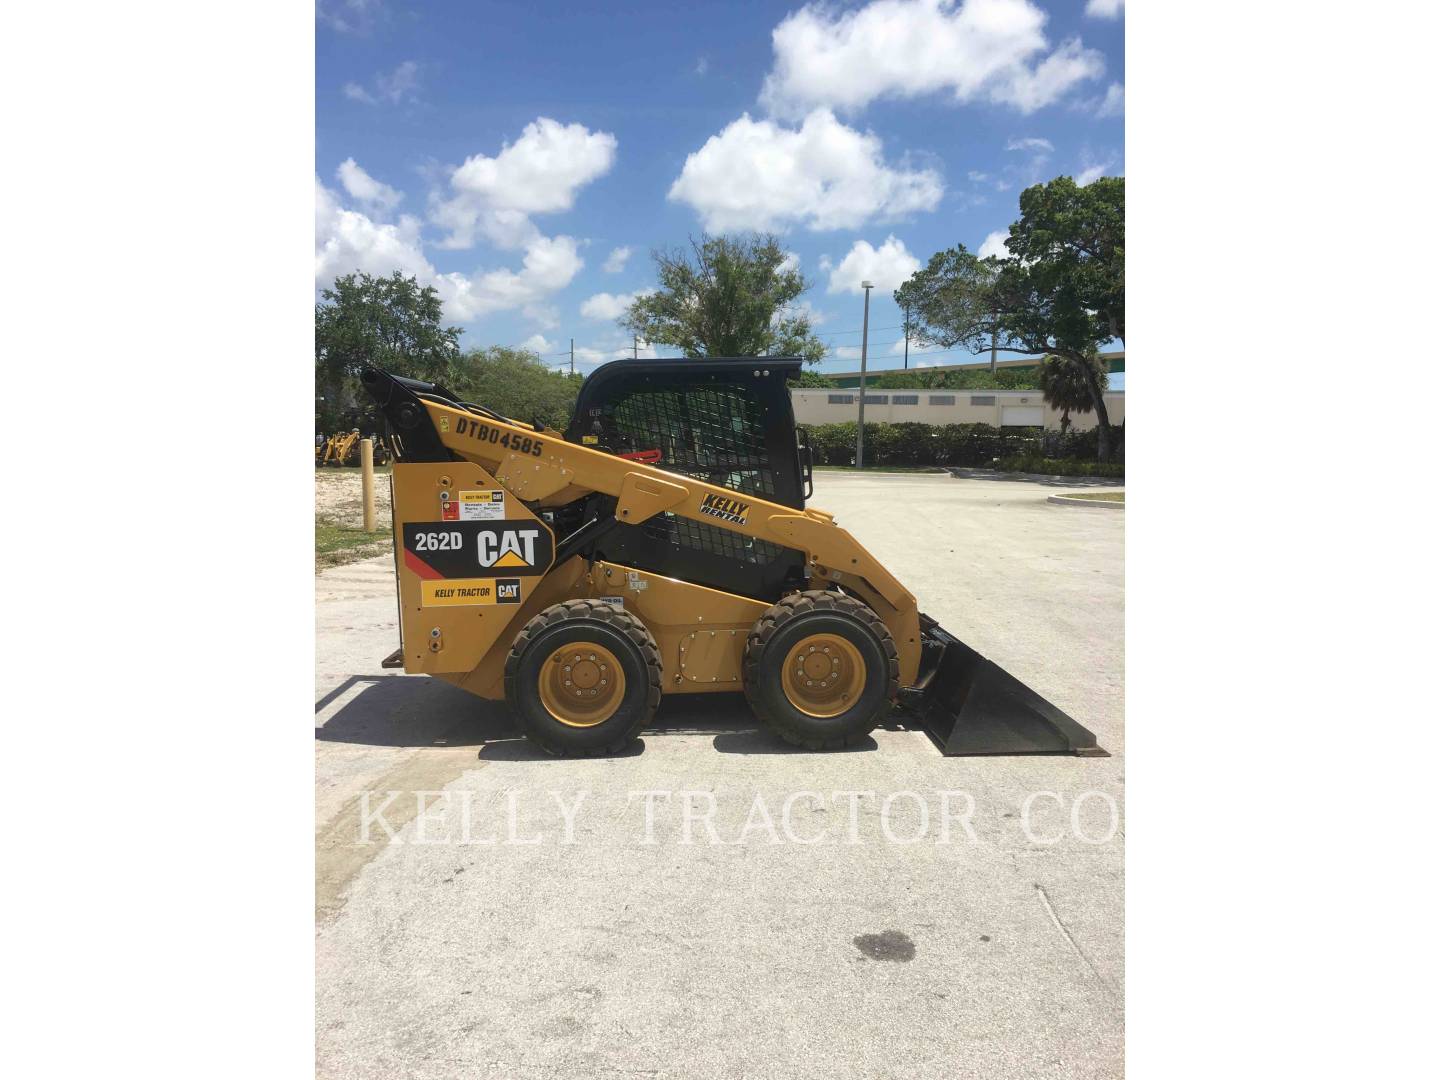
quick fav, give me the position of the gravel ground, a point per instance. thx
(338, 500)
(525, 924)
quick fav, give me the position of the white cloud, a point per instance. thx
(610, 305)
(545, 316)
(757, 174)
(789, 264)
(1104, 9)
(539, 173)
(1113, 104)
(994, 244)
(886, 266)
(538, 343)
(364, 188)
(350, 16)
(1090, 174)
(806, 308)
(550, 264)
(615, 262)
(1067, 66)
(391, 87)
(1037, 161)
(349, 240)
(1037, 145)
(702, 66)
(605, 352)
(975, 50)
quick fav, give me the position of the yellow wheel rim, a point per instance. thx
(823, 675)
(581, 684)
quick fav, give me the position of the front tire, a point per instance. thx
(583, 677)
(821, 670)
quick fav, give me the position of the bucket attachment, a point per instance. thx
(971, 706)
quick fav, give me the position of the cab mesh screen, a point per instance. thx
(714, 433)
(717, 541)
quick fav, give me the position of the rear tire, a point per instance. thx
(583, 677)
(821, 670)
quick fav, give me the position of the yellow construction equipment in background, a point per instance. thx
(343, 449)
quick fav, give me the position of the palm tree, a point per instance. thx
(1065, 386)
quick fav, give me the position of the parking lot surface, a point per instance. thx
(715, 903)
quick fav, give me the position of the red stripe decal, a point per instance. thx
(421, 569)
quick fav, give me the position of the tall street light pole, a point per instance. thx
(907, 337)
(864, 353)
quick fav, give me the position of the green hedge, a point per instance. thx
(1059, 466)
(920, 444)
(970, 445)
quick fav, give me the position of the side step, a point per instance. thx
(971, 706)
(395, 659)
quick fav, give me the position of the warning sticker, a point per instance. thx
(468, 592)
(482, 505)
(614, 601)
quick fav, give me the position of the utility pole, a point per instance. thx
(572, 356)
(636, 340)
(864, 353)
(994, 317)
(907, 337)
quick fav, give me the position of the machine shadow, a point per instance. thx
(416, 711)
(1039, 481)
(411, 711)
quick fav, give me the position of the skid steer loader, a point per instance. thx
(661, 545)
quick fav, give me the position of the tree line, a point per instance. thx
(1057, 295)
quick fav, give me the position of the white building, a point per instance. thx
(999, 408)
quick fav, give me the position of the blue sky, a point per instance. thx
(525, 158)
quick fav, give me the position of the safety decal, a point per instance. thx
(731, 510)
(614, 601)
(469, 592)
(477, 549)
(482, 505)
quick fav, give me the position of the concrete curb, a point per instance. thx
(1070, 500)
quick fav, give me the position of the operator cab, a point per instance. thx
(726, 422)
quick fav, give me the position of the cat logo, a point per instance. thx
(507, 590)
(515, 548)
(444, 424)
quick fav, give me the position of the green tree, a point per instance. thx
(727, 296)
(515, 383)
(1059, 292)
(812, 379)
(1066, 387)
(390, 323)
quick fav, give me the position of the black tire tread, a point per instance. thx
(586, 609)
(814, 600)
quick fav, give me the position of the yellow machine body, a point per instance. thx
(701, 631)
(476, 560)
